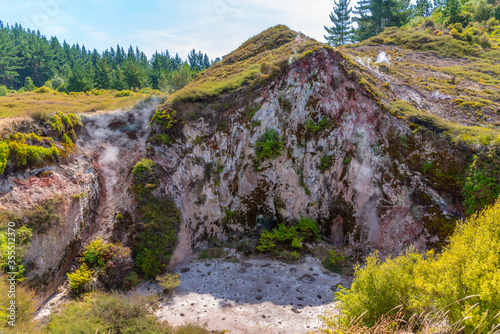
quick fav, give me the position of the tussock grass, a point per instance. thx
(421, 40)
(395, 322)
(254, 60)
(459, 133)
(32, 103)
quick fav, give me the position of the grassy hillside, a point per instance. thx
(254, 60)
(436, 77)
(25, 104)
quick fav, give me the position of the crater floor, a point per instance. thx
(250, 295)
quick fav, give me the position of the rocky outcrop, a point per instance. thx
(374, 193)
(77, 189)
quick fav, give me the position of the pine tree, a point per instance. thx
(363, 19)
(373, 16)
(396, 13)
(103, 74)
(9, 62)
(452, 10)
(162, 83)
(80, 79)
(118, 79)
(340, 32)
(423, 8)
(28, 85)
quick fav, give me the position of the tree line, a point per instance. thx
(28, 58)
(371, 17)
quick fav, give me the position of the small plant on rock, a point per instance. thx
(325, 162)
(334, 261)
(80, 279)
(169, 282)
(269, 145)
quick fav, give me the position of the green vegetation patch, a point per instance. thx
(145, 178)
(461, 282)
(111, 263)
(313, 127)
(108, 313)
(287, 242)
(269, 145)
(482, 182)
(422, 40)
(325, 162)
(458, 133)
(334, 261)
(15, 240)
(25, 308)
(114, 313)
(29, 149)
(159, 223)
(168, 282)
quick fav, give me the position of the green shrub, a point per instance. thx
(4, 156)
(64, 123)
(269, 145)
(23, 154)
(287, 240)
(482, 182)
(42, 90)
(462, 281)
(267, 241)
(24, 310)
(160, 220)
(22, 243)
(334, 261)
(28, 85)
(308, 227)
(123, 93)
(168, 282)
(108, 313)
(80, 279)
(131, 280)
(165, 117)
(325, 162)
(251, 110)
(3, 90)
(112, 262)
(144, 178)
(96, 253)
(212, 253)
(379, 287)
(312, 127)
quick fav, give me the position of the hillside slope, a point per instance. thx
(346, 159)
(435, 80)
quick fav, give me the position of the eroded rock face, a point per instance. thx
(374, 194)
(52, 249)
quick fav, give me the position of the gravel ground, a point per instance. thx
(250, 295)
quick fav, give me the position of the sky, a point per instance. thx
(215, 27)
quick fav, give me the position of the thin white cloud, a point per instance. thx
(95, 34)
(216, 27)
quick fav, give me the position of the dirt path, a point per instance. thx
(250, 295)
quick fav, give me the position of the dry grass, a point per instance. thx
(25, 104)
(395, 322)
(255, 59)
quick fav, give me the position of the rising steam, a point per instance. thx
(116, 139)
